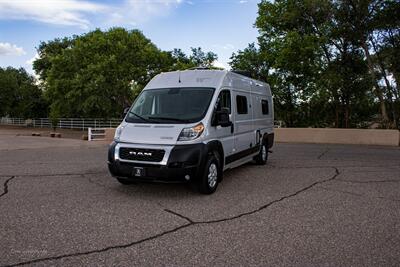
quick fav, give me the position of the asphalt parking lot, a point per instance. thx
(312, 205)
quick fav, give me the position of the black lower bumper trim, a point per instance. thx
(183, 160)
(151, 172)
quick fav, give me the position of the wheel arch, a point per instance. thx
(216, 146)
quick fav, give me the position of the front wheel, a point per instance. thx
(262, 157)
(208, 182)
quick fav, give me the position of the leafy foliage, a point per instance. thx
(99, 73)
(327, 61)
(19, 95)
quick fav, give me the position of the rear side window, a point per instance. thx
(241, 104)
(264, 107)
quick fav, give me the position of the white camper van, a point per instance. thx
(190, 126)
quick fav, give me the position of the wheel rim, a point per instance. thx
(212, 175)
(264, 153)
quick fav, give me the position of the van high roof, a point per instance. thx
(206, 78)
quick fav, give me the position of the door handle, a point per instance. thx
(232, 128)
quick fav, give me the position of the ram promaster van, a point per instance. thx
(190, 126)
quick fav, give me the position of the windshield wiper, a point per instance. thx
(140, 117)
(169, 118)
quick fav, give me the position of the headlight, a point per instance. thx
(118, 133)
(191, 133)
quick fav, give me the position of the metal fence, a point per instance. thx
(65, 123)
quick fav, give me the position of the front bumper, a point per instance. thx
(182, 161)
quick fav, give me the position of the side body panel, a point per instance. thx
(224, 135)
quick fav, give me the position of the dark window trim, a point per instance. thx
(262, 105)
(126, 118)
(246, 111)
(230, 98)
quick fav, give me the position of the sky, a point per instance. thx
(221, 26)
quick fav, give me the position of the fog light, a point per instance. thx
(187, 177)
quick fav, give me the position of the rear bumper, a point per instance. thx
(183, 161)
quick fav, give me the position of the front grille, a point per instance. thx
(141, 154)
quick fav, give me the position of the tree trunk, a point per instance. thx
(396, 76)
(378, 90)
(388, 86)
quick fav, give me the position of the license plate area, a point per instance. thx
(138, 172)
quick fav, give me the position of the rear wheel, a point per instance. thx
(208, 181)
(262, 157)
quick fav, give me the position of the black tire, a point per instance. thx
(125, 181)
(208, 181)
(262, 157)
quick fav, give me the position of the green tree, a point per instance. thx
(252, 60)
(91, 75)
(201, 58)
(99, 73)
(197, 58)
(19, 95)
(326, 55)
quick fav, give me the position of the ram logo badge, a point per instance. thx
(140, 153)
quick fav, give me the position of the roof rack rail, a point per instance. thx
(200, 68)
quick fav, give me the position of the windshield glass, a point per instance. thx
(170, 105)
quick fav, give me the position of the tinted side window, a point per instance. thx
(264, 107)
(241, 104)
(224, 100)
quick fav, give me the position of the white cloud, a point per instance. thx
(243, 1)
(7, 49)
(61, 12)
(133, 12)
(78, 12)
(30, 61)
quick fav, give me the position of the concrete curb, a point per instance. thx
(338, 136)
(325, 136)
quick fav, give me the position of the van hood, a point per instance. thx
(157, 134)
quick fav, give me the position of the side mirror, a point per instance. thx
(222, 118)
(126, 110)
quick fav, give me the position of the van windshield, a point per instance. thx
(170, 105)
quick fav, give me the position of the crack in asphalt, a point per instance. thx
(5, 186)
(369, 182)
(180, 215)
(55, 174)
(359, 195)
(103, 249)
(323, 153)
(189, 223)
(388, 168)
